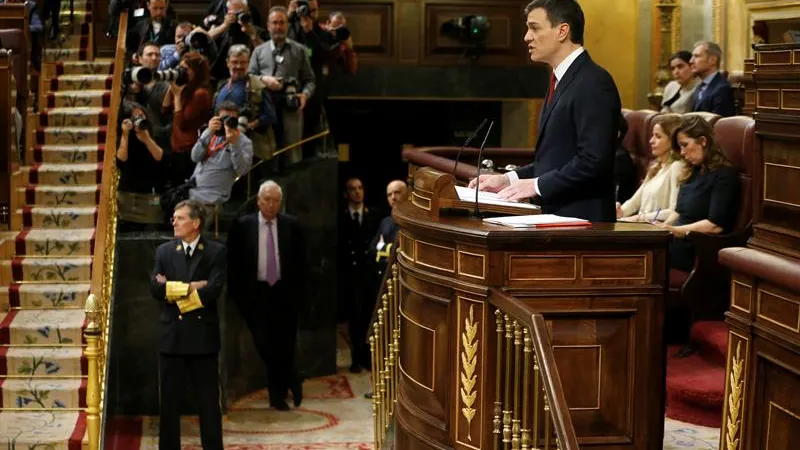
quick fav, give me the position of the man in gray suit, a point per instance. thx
(285, 70)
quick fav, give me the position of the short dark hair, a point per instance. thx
(128, 106)
(683, 55)
(196, 210)
(278, 9)
(562, 11)
(146, 44)
(228, 105)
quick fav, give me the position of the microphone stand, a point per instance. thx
(478, 179)
(466, 143)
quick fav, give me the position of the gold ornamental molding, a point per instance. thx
(676, 27)
(736, 385)
(716, 21)
(469, 360)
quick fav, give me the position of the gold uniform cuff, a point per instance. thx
(176, 290)
(189, 303)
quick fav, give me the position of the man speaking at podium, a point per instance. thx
(572, 173)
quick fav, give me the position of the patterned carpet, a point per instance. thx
(44, 278)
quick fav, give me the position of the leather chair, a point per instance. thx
(637, 139)
(704, 291)
(15, 41)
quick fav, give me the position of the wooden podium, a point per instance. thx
(601, 290)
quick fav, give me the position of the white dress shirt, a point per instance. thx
(262, 247)
(559, 72)
(192, 246)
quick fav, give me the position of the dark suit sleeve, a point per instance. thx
(216, 281)
(158, 290)
(234, 245)
(723, 102)
(596, 112)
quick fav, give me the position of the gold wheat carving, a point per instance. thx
(469, 360)
(736, 384)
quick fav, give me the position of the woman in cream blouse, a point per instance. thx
(656, 197)
(678, 93)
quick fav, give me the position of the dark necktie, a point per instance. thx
(552, 88)
(188, 253)
(355, 218)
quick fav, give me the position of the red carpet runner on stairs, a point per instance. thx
(696, 384)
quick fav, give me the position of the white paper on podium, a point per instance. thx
(538, 220)
(490, 198)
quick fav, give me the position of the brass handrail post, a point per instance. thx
(93, 353)
(374, 400)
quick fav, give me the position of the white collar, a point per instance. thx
(192, 245)
(562, 67)
(352, 210)
(263, 220)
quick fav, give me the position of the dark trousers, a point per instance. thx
(51, 9)
(202, 371)
(273, 325)
(361, 303)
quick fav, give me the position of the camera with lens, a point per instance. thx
(291, 87)
(244, 18)
(140, 122)
(303, 9)
(198, 41)
(227, 121)
(179, 76)
(341, 34)
(138, 74)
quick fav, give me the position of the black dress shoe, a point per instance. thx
(297, 392)
(280, 406)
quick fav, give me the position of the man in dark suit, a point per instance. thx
(714, 94)
(156, 27)
(187, 279)
(572, 173)
(266, 281)
(357, 225)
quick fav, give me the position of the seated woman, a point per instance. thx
(679, 93)
(656, 197)
(709, 196)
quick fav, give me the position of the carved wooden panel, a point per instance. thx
(776, 409)
(472, 265)
(781, 184)
(471, 416)
(578, 269)
(435, 256)
(594, 361)
(503, 40)
(778, 309)
(741, 294)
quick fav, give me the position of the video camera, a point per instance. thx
(291, 88)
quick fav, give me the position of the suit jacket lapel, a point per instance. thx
(561, 87)
(283, 242)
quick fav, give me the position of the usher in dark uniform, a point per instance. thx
(190, 342)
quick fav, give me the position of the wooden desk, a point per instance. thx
(601, 290)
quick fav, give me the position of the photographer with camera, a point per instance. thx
(187, 38)
(236, 28)
(142, 87)
(218, 9)
(156, 27)
(222, 153)
(248, 93)
(285, 70)
(189, 98)
(142, 178)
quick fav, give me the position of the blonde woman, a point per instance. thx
(656, 197)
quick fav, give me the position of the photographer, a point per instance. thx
(236, 27)
(285, 70)
(157, 27)
(222, 153)
(150, 92)
(218, 9)
(189, 98)
(187, 38)
(247, 92)
(139, 159)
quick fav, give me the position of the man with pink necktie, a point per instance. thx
(266, 260)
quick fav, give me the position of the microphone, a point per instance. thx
(478, 178)
(466, 143)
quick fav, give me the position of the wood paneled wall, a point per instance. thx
(406, 32)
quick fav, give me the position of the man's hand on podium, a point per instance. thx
(519, 190)
(490, 183)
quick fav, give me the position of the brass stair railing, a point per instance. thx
(530, 410)
(384, 345)
(98, 304)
